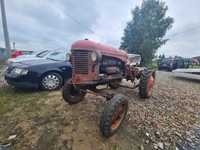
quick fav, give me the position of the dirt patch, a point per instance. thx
(42, 120)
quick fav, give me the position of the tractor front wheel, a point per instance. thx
(72, 94)
(114, 84)
(113, 115)
(147, 81)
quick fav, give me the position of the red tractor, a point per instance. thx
(95, 64)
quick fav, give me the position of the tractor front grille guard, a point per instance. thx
(80, 61)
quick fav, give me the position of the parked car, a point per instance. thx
(134, 59)
(34, 56)
(170, 64)
(16, 53)
(48, 74)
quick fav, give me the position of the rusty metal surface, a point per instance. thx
(80, 62)
(103, 49)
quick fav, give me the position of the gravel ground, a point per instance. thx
(191, 141)
(171, 116)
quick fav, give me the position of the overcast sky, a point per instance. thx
(52, 24)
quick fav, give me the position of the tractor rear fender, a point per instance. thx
(149, 72)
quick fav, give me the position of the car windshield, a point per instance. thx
(57, 56)
(42, 54)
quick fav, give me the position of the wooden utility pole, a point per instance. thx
(5, 28)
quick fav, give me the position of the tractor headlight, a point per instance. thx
(20, 71)
(94, 56)
(68, 56)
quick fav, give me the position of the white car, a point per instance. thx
(34, 56)
(191, 74)
(134, 59)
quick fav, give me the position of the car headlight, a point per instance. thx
(20, 71)
(94, 56)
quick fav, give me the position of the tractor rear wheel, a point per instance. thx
(147, 81)
(72, 94)
(113, 115)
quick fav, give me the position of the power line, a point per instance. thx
(75, 20)
(78, 22)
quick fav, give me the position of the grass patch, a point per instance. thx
(2, 64)
(153, 66)
(194, 67)
(12, 98)
(21, 110)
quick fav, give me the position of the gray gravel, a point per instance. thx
(191, 141)
(173, 111)
(186, 94)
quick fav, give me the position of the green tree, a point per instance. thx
(144, 34)
(161, 56)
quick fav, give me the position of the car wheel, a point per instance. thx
(51, 81)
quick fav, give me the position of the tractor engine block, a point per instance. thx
(111, 65)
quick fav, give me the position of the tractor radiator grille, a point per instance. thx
(80, 61)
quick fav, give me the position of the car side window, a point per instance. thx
(60, 56)
(42, 54)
